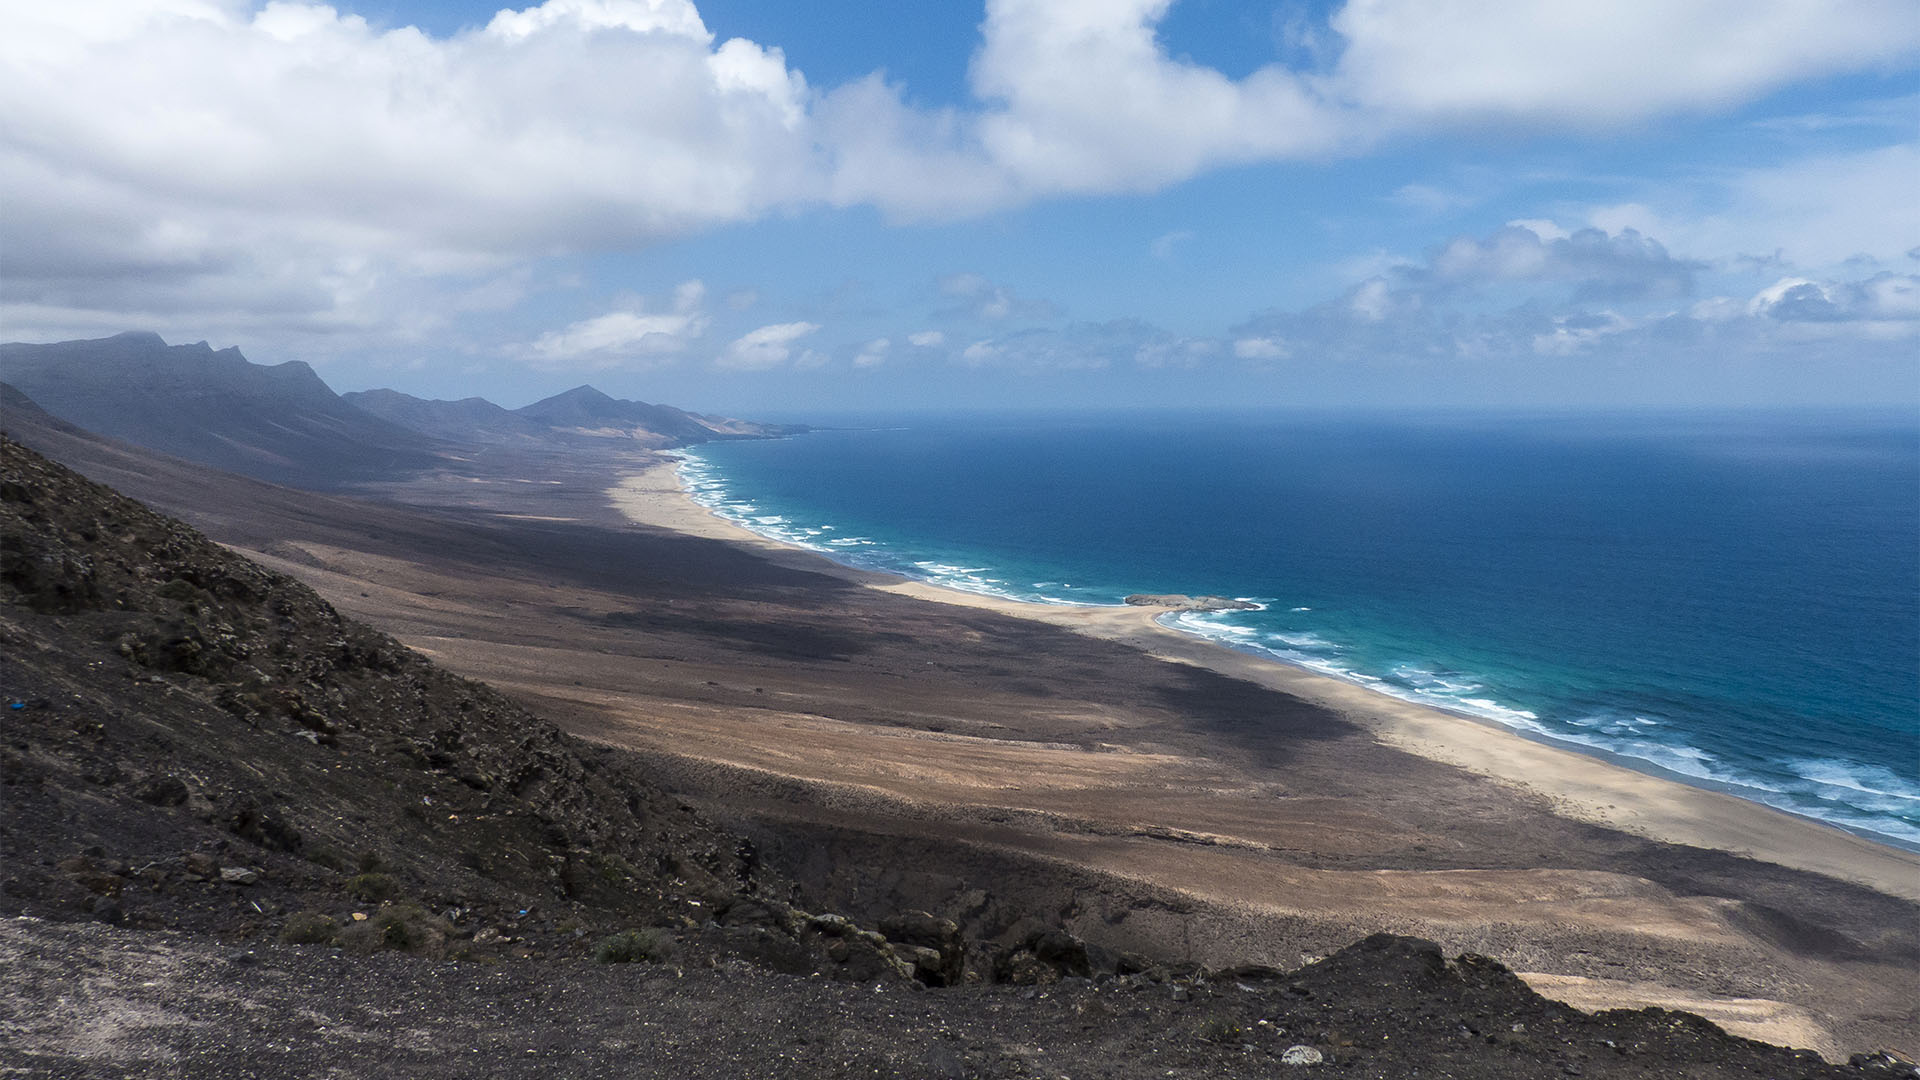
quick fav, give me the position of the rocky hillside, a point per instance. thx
(254, 825)
(196, 743)
(576, 418)
(282, 424)
(279, 423)
(586, 411)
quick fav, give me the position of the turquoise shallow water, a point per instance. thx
(1732, 599)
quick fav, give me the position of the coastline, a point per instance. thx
(1581, 786)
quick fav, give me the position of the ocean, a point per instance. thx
(1729, 599)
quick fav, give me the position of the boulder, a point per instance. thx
(942, 959)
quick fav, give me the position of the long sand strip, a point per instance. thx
(1580, 785)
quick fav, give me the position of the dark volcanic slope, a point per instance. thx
(192, 743)
(1385, 1008)
(278, 423)
(174, 711)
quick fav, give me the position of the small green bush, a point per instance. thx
(373, 887)
(1222, 1029)
(397, 931)
(309, 928)
(633, 946)
(330, 857)
(401, 927)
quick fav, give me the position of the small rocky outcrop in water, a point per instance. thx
(1182, 602)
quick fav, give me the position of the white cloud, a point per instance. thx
(1083, 97)
(980, 353)
(1571, 334)
(641, 16)
(926, 339)
(1602, 61)
(873, 353)
(1514, 296)
(1164, 245)
(982, 299)
(765, 348)
(295, 164)
(1087, 347)
(1623, 264)
(295, 169)
(1817, 211)
(1545, 230)
(625, 338)
(1163, 351)
(1261, 348)
(1882, 298)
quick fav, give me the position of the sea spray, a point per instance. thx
(1651, 589)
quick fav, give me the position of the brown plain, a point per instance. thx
(895, 744)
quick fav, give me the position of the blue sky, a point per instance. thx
(775, 208)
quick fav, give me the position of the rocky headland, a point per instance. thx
(1181, 602)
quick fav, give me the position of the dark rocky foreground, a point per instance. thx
(241, 835)
(160, 1005)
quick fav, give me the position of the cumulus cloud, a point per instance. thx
(1884, 297)
(766, 348)
(625, 338)
(984, 300)
(1519, 258)
(1516, 293)
(1601, 61)
(1083, 97)
(927, 339)
(1088, 346)
(294, 161)
(1625, 265)
(1812, 211)
(872, 354)
(1261, 348)
(1166, 244)
(1531, 304)
(298, 168)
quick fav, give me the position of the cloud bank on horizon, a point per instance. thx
(509, 198)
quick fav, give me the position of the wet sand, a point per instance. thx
(1578, 785)
(1143, 789)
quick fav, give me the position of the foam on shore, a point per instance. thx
(1843, 794)
(1586, 783)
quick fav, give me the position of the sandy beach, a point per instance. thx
(892, 746)
(1579, 785)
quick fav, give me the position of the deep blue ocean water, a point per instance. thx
(1730, 598)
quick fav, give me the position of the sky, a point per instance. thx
(773, 208)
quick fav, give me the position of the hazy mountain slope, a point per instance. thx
(466, 420)
(278, 423)
(195, 743)
(587, 410)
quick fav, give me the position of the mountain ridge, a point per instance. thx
(211, 768)
(279, 423)
(283, 424)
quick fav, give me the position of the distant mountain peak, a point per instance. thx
(583, 394)
(280, 423)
